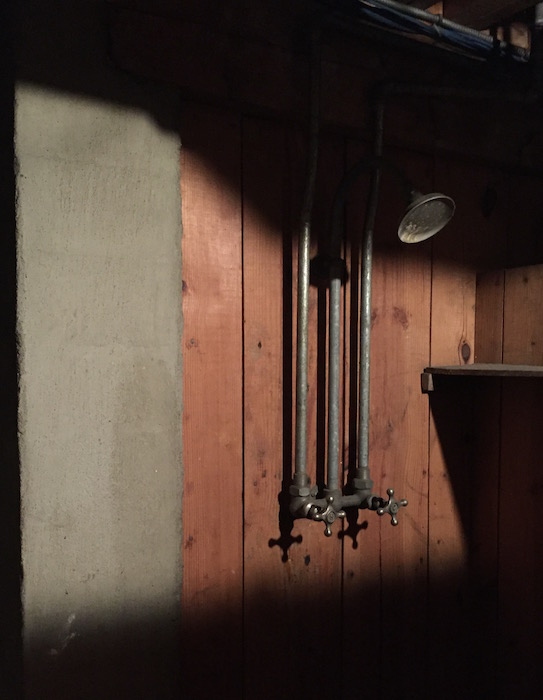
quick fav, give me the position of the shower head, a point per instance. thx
(426, 215)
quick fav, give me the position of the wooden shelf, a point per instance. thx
(478, 370)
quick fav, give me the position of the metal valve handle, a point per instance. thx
(328, 515)
(392, 506)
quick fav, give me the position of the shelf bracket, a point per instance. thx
(427, 382)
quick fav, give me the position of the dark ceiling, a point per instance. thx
(480, 14)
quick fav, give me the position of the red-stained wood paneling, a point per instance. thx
(399, 427)
(489, 317)
(523, 316)
(254, 56)
(462, 536)
(269, 606)
(521, 485)
(314, 566)
(213, 417)
(520, 553)
(361, 551)
(269, 588)
(447, 604)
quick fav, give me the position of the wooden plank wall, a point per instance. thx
(476, 238)
(253, 56)
(510, 331)
(272, 607)
(213, 394)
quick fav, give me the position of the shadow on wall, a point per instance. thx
(62, 46)
(117, 657)
(10, 538)
(470, 631)
(467, 625)
(289, 650)
(294, 650)
(489, 433)
(113, 632)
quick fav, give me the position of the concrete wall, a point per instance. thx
(99, 322)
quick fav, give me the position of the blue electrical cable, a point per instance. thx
(441, 35)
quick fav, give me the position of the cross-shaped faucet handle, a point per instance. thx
(328, 515)
(392, 506)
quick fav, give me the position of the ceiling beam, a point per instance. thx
(421, 4)
(483, 13)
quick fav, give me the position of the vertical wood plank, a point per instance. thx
(361, 546)
(267, 624)
(399, 430)
(474, 241)
(289, 600)
(484, 476)
(525, 222)
(521, 554)
(466, 415)
(448, 545)
(523, 315)
(489, 316)
(212, 419)
(316, 592)
(521, 484)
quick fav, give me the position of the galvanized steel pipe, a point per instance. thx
(304, 244)
(365, 297)
(334, 360)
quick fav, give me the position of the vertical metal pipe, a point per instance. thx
(300, 462)
(372, 163)
(333, 383)
(364, 370)
(302, 316)
(365, 302)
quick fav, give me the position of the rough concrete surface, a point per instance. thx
(99, 322)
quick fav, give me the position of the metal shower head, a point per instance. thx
(425, 216)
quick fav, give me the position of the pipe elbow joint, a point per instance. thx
(302, 498)
(362, 486)
(300, 506)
